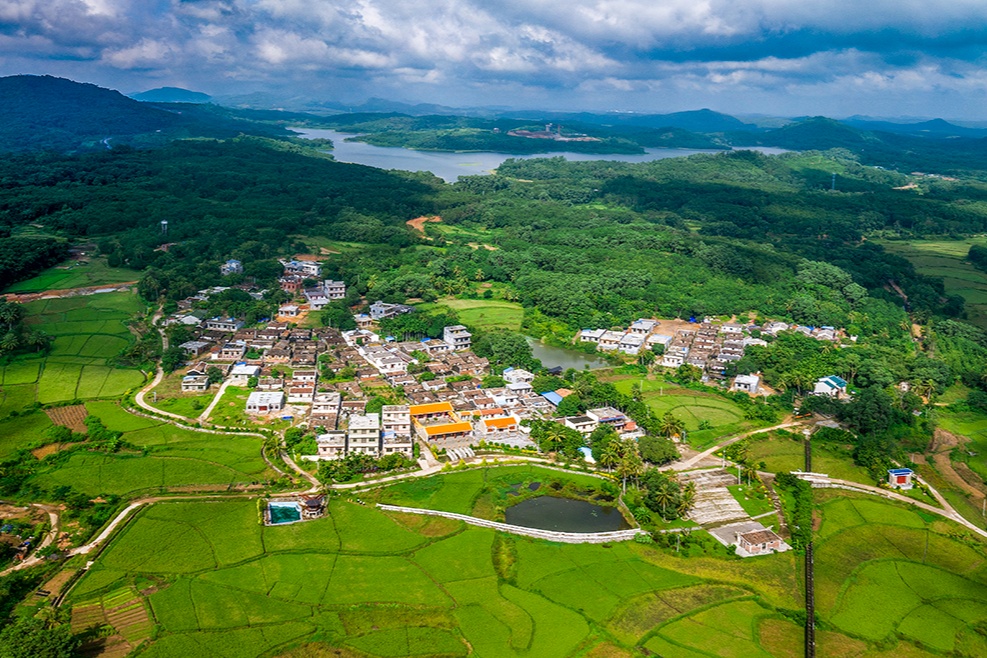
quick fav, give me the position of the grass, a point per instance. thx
(782, 454)
(753, 502)
(718, 416)
(76, 274)
(482, 314)
(89, 332)
(386, 584)
(230, 411)
(947, 259)
(168, 396)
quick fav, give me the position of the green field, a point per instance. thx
(692, 408)
(482, 314)
(393, 585)
(76, 274)
(89, 331)
(782, 454)
(947, 259)
(162, 457)
(973, 426)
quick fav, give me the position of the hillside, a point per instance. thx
(171, 95)
(55, 114)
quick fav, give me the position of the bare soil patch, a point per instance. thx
(418, 223)
(44, 451)
(959, 475)
(72, 417)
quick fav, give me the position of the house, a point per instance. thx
(643, 327)
(900, 478)
(391, 443)
(302, 394)
(291, 283)
(631, 344)
(731, 329)
(446, 431)
(758, 542)
(265, 402)
(231, 351)
(288, 311)
(231, 267)
(672, 359)
(241, 373)
(457, 337)
(307, 269)
(334, 289)
(307, 376)
(657, 339)
(363, 434)
(747, 383)
(608, 416)
(609, 340)
(582, 424)
(493, 426)
(331, 445)
(194, 383)
(832, 386)
(517, 376)
(380, 311)
(396, 419)
(195, 347)
(591, 335)
(326, 403)
(270, 384)
(224, 324)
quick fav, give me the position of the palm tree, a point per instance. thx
(670, 425)
(688, 497)
(611, 455)
(554, 436)
(664, 496)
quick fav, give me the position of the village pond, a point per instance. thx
(558, 357)
(565, 515)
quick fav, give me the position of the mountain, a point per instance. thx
(696, 121)
(938, 128)
(818, 133)
(171, 95)
(55, 114)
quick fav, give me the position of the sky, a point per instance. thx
(891, 58)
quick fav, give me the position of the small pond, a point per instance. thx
(284, 512)
(552, 357)
(565, 515)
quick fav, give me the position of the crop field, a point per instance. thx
(160, 457)
(76, 274)
(782, 454)
(89, 331)
(973, 426)
(168, 396)
(483, 314)
(882, 571)
(692, 408)
(947, 259)
(394, 585)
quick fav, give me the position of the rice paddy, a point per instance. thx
(88, 333)
(370, 583)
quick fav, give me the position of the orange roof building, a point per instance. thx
(433, 409)
(447, 429)
(508, 424)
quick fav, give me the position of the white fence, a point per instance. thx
(550, 535)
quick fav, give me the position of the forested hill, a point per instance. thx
(55, 114)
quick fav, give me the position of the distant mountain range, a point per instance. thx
(48, 113)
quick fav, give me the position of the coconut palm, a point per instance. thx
(611, 455)
(554, 436)
(670, 425)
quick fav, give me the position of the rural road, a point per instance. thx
(692, 461)
(33, 559)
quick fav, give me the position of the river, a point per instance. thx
(449, 165)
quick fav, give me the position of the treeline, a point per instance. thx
(22, 258)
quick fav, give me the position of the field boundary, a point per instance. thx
(550, 535)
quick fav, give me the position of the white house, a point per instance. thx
(231, 266)
(194, 383)
(582, 424)
(396, 418)
(747, 383)
(609, 341)
(265, 402)
(643, 327)
(517, 376)
(631, 344)
(591, 335)
(457, 337)
(241, 373)
(331, 445)
(363, 434)
(224, 324)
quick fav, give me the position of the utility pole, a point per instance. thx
(833, 186)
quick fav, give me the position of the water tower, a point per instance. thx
(164, 227)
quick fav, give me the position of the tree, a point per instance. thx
(31, 638)
(670, 425)
(657, 450)
(172, 358)
(214, 375)
(630, 464)
(571, 405)
(610, 456)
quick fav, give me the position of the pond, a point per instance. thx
(552, 357)
(449, 165)
(565, 515)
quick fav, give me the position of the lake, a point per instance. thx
(565, 515)
(552, 357)
(450, 165)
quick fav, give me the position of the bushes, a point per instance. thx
(800, 513)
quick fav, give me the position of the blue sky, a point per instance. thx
(785, 57)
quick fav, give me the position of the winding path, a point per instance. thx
(687, 464)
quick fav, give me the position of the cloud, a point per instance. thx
(589, 52)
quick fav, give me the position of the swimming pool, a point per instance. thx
(284, 512)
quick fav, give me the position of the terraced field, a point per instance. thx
(947, 259)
